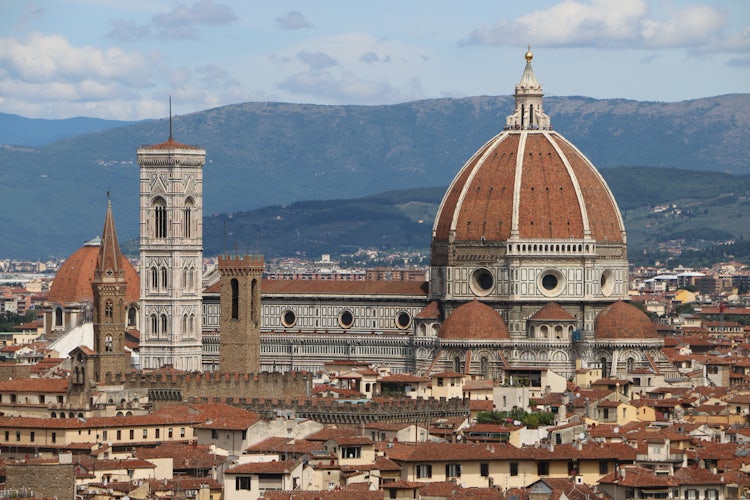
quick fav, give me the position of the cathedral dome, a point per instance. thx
(622, 321)
(527, 183)
(476, 321)
(73, 281)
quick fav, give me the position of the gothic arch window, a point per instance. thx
(154, 278)
(188, 216)
(185, 323)
(160, 218)
(235, 298)
(191, 284)
(108, 343)
(254, 300)
(108, 310)
(630, 364)
(457, 364)
(164, 278)
(58, 316)
(604, 367)
(191, 324)
(185, 278)
(154, 324)
(163, 323)
(132, 316)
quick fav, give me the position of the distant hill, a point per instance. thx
(52, 197)
(658, 205)
(20, 131)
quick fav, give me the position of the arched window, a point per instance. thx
(191, 280)
(185, 278)
(254, 300)
(108, 309)
(58, 316)
(132, 316)
(154, 279)
(188, 216)
(164, 278)
(457, 364)
(163, 323)
(191, 324)
(235, 298)
(185, 323)
(631, 364)
(108, 343)
(154, 324)
(160, 218)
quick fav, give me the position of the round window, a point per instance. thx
(346, 319)
(551, 282)
(607, 282)
(403, 320)
(481, 282)
(288, 318)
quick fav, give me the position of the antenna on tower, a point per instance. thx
(170, 118)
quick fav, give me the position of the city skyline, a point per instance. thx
(120, 60)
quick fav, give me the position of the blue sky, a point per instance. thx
(121, 59)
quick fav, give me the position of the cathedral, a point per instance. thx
(528, 273)
(528, 270)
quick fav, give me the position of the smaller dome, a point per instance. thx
(474, 320)
(72, 282)
(622, 321)
(552, 311)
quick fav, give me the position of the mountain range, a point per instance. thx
(53, 194)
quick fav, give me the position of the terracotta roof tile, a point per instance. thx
(474, 320)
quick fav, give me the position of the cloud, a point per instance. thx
(606, 24)
(316, 60)
(180, 23)
(45, 72)
(122, 30)
(739, 62)
(372, 57)
(293, 20)
(344, 88)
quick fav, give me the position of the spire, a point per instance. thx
(528, 114)
(170, 118)
(109, 260)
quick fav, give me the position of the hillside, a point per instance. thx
(52, 197)
(704, 208)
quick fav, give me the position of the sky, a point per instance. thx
(122, 59)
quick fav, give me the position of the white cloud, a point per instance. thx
(293, 20)
(340, 69)
(316, 60)
(51, 59)
(606, 24)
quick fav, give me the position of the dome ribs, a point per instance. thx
(603, 215)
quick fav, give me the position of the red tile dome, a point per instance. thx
(622, 321)
(73, 281)
(474, 320)
(530, 184)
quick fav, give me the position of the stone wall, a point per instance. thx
(45, 480)
(177, 387)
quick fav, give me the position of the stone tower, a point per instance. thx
(240, 313)
(171, 247)
(109, 286)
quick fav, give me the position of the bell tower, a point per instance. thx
(171, 260)
(240, 313)
(108, 289)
